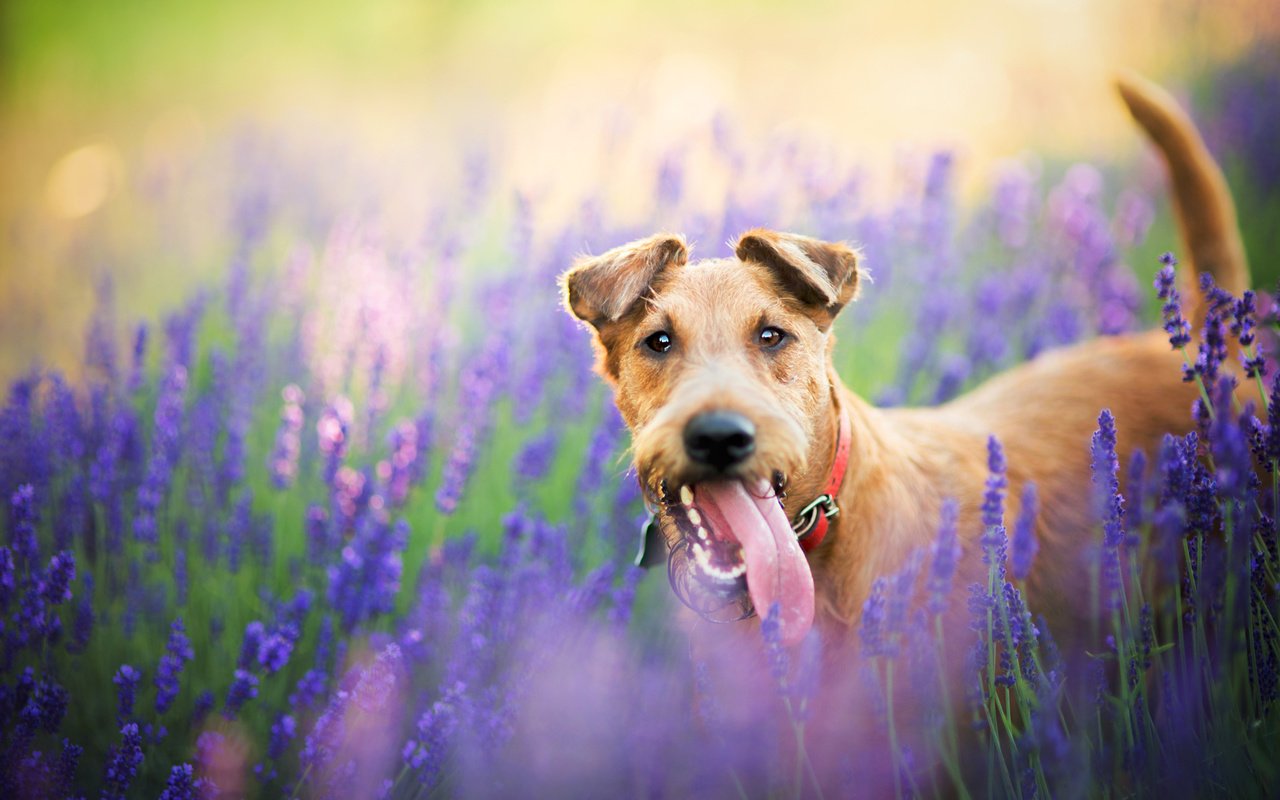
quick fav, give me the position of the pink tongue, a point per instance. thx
(776, 567)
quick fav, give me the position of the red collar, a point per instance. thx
(812, 522)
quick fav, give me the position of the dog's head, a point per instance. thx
(721, 369)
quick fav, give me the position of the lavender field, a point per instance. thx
(355, 520)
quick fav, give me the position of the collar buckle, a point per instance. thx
(823, 507)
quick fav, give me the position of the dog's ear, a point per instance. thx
(602, 289)
(820, 274)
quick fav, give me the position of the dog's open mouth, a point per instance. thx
(737, 552)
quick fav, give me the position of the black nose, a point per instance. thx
(719, 439)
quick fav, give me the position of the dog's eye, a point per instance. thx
(771, 337)
(659, 342)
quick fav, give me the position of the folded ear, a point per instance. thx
(601, 289)
(821, 274)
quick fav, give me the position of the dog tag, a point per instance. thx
(653, 548)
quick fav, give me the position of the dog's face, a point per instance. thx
(721, 369)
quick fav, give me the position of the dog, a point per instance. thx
(778, 487)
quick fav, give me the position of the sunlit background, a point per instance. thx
(103, 105)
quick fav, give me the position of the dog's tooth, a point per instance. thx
(702, 533)
(686, 495)
(695, 517)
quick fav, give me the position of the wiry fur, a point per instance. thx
(904, 462)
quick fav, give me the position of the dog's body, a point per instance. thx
(722, 371)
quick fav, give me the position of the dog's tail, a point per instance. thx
(1201, 198)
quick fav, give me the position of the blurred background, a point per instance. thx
(108, 109)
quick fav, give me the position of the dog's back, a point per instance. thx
(1045, 412)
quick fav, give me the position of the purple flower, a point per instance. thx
(1136, 484)
(137, 373)
(480, 382)
(309, 689)
(1023, 547)
(283, 461)
(366, 579)
(178, 651)
(624, 596)
(243, 689)
(534, 459)
(1213, 342)
(203, 705)
(22, 527)
(46, 706)
(209, 746)
(126, 681)
(282, 732)
(55, 585)
(997, 482)
(254, 633)
(319, 535)
(82, 628)
(166, 448)
(1109, 504)
(332, 431)
(1175, 324)
(945, 556)
(8, 577)
(123, 764)
(183, 785)
(1105, 468)
(873, 627)
(402, 468)
(426, 754)
(273, 652)
(955, 370)
(65, 770)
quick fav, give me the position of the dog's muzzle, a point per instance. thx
(715, 600)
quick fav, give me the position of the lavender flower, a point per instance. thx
(126, 681)
(403, 465)
(46, 706)
(873, 628)
(273, 652)
(1175, 324)
(310, 688)
(8, 577)
(137, 373)
(82, 628)
(367, 578)
(183, 785)
(427, 752)
(123, 764)
(1023, 547)
(946, 555)
(178, 651)
(22, 527)
(997, 482)
(333, 431)
(65, 770)
(203, 705)
(254, 633)
(534, 460)
(480, 381)
(165, 450)
(283, 462)
(1213, 344)
(1110, 504)
(243, 689)
(55, 584)
(282, 732)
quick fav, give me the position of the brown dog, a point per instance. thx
(722, 370)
